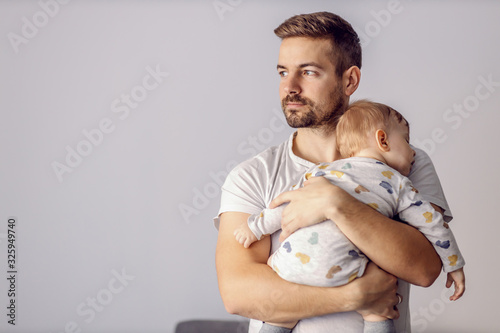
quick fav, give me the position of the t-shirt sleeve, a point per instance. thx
(425, 179)
(243, 190)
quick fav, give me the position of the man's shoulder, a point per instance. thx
(267, 158)
(249, 187)
(422, 167)
(421, 156)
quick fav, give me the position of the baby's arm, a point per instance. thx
(417, 212)
(265, 223)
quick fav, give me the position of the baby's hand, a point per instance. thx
(244, 235)
(457, 277)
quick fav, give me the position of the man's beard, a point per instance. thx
(315, 115)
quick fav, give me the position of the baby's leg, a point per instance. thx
(277, 328)
(377, 324)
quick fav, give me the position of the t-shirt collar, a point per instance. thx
(294, 157)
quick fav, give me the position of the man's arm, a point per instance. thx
(250, 288)
(396, 247)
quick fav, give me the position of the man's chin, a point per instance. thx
(299, 118)
(294, 123)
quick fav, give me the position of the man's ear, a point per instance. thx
(351, 79)
(382, 140)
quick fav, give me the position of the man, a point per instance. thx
(319, 65)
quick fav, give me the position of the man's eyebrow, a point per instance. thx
(311, 64)
(308, 64)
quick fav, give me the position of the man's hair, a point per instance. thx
(357, 125)
(324, 25)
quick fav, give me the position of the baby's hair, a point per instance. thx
(360, 121)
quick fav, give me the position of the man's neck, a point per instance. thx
(316, 145)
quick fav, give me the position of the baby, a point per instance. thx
(373, 140)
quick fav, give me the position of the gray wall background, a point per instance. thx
(121, 239)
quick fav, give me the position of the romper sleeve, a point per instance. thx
(266, 222)
(419, 213)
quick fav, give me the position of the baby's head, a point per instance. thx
(375, 130)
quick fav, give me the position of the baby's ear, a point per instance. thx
(382, 140)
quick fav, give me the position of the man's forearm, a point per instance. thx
(261, 294)
(252, 289)
(396, 247)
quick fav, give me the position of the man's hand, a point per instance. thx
(376, 293)
(457, 277)
(309, 205)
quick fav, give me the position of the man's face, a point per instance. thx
(311, 93)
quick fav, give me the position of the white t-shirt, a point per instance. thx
(252, 185)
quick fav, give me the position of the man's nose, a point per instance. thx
(292, 86)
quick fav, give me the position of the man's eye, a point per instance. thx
(283, 73)
(309, 73)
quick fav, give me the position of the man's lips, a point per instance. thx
(294, 104)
